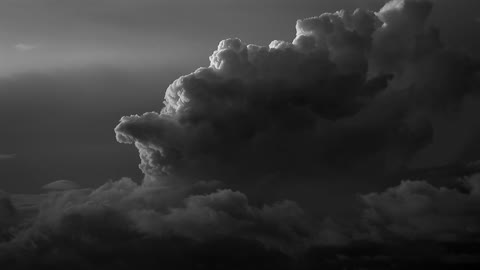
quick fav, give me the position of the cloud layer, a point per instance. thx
(123, 224)
(83, 228)
(416, 210)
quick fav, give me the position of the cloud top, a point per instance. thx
(352, 90)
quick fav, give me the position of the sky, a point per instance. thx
(157, 119)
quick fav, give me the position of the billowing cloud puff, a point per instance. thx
(226, 213)
(157, 223)
(198, 212)
(417, 210)
(405, 45)
(122, 224)
(350, 85)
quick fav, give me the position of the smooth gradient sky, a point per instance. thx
(70, 69)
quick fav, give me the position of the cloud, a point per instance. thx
(61, 185)
(352, 93)
(80, 226)
(22, 47)
(6, 206)
(123, 224)
(226, 213)
(8, 215)
(352, 90)
(417, 210)
(7, 156)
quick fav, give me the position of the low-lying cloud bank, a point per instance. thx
(416, 210)
(352, 92)
(124, 224)
(83, 228)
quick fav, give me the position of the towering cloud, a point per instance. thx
(352, 92)
(350, 88)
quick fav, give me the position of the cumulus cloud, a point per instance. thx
(352, 91)
(83, 227)
(417, 210)
(227, 212)
(365, 82)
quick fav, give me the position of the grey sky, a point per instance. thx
(143, 32)
(73, 33)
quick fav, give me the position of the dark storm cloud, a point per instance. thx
(123, 224)
(82, 228)
(352, 91)
(200, 211)
(365, 82)
(416, 210)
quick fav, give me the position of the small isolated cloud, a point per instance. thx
(24, 47)
(61, 185)
(7, 156)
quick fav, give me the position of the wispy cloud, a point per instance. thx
(61, 185)
(23, 47)
(7, 156)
